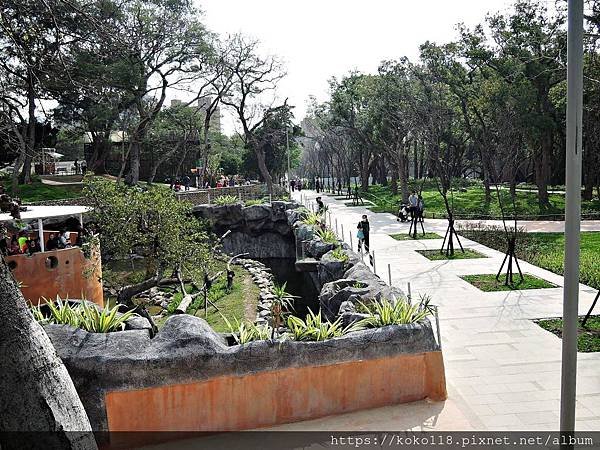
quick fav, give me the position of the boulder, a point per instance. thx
(222, 216)
(184, 330)
(317, 248)
(330, 268)
(256, 213)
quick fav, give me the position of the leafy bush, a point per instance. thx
(312, 219)
(245, 331)
(327, 236)
(85, 316)
(340, 254)
(384, 312)
(253, 202)
(314, 328)
(225, 200)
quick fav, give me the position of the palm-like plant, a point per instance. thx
(282, 302)
(384, 312)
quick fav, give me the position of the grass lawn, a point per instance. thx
(488, 283)
(37, 191)
(408, 237)
(435, 255)
(588, 339)
(546, 250)
(238, 304)
(469, 201)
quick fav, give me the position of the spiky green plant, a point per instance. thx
(315, 328)
(384, 312)
(312, 218)
(253, 202)
(226, 200)
(327, 236)
(339, 254)
(85, 316)
(102, 321)
(62, 312)
(246, 331)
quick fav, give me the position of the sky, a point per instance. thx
(318, 39)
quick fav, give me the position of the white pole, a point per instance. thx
(390, 274)
(374, 267)
(41, 235)
(351, 243)
(287, 144)
(336, 227)
(342, 225)
(572, 215)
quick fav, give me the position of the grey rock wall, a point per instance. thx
(187, 350)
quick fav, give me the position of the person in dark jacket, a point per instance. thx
(365, 227)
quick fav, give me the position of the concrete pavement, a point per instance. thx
(503, 371)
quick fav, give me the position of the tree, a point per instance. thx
(165, 46)
(253, 78)
(150, 222)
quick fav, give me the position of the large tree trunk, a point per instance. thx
(542, 171)
(133, 177)
(36, 392)
(262, 166)
(100, 145)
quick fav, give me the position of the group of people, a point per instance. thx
(296, 185)
(414, 209)
(22, 244)
(177, 184)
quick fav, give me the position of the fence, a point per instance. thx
(243, 193)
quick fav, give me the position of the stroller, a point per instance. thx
(403, 213)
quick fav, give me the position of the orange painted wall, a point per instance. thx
(288, 395)
(73, 276)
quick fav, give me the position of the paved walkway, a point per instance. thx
(503, 371)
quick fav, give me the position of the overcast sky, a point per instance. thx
(318, 39)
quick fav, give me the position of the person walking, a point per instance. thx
(186, 182)
(317, 185)
(364, 228)
(321, 206)
(413, 203)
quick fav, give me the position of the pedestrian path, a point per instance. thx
(503, 371)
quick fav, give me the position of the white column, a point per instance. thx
(41, 234)
(572, 215)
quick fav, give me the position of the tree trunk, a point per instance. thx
(97, 162)
(394, 181)
(126, 293)
(542, 174)
(262, 165)
(36, 392)
(133, 176)
(30, 139)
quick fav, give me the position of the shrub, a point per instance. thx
(327, 236)
(314, 328)
(312, 218)
(253, 202)
(245, 331)
(85, 316)
(226, 200)
(340, 254)
(384, 312)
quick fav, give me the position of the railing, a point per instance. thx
(243, 193)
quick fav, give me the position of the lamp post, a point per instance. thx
(289, 174)
(572, 216)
